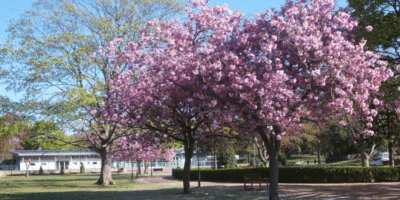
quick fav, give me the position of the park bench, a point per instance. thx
(254, 178)
(157, 169)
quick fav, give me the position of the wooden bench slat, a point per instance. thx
(255, 178)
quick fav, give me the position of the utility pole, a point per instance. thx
(254, 154)
(198, 167)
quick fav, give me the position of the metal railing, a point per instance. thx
(8, 167)
(156, 164)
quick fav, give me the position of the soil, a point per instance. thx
(213, 190)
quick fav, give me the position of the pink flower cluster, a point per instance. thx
(263, 76)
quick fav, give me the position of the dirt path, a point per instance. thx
(212, 190)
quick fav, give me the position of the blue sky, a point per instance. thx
(12, 8)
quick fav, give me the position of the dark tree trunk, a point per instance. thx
(273, 145)
(215, 159)
(139, 170)
(105, 174)
(274, 174)
(189, 148)
(391, 160)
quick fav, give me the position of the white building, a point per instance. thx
(54, 159)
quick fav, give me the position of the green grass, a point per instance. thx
(54, 183)
(303, 159)
(355, 162)
(67, 187)
(82, 187)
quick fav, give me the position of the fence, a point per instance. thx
(156, 164)
(8, 167)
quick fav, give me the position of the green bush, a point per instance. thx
(82, 169)
(227, 158)
(62, 170)
(41, 171)
(301, 174)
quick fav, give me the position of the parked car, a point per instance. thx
(380, 159)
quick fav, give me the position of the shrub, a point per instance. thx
(41, 171)
(301, 174)
(82, 168)
(227, 158)
(62, 170)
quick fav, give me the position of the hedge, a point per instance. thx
(300, 174)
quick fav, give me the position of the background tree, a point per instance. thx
(37, 137)
(47, 55)
(163, 92)
(299, 62)
(383, 15)
(338, 143)
(227, 157)
(12, 133)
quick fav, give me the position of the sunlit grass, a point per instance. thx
(59, 183)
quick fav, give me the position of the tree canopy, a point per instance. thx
(47, 53)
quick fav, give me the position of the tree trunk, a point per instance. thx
(189, 148)
(262, 151)
(27, 169)
(131, 169)
(274, 174)
(273, 145)
(364, 159)
(391, 160)
(146, 167)
(138, 171)
(319, 153)
(363, 152)
(365, 156)
(105, 174)
(215, 159)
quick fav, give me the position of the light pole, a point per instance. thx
(151, 167)
(198, 167)
(131, 150)
(254, 154)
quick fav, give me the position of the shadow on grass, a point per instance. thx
(366, 190)
(161, 194)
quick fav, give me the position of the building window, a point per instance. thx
(44, 163)
(75, 163)
(94, 163)
(33, 164)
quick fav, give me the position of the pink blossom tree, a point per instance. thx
(214, 68)
(300, 62)
(165, 90)
(143, 146)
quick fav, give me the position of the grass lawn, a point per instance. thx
(68, 187)
(302, 159)
(81, 187)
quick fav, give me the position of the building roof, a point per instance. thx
(52, 153)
